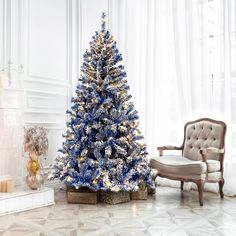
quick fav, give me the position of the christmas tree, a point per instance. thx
(102, 148)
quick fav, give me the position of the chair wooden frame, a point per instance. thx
(204, 153)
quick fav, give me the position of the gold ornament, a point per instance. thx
(32, 167)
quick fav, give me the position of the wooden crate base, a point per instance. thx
(86, 196)
(81, 196)
(141, 194)
(114, 197)
(151, 190)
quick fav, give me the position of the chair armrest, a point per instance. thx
(208, 150)
(205, 151)
(168, 147)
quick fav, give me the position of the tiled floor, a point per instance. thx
(169, 212)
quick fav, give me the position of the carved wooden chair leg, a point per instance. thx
(221, 185)
(200, 186)
(182, 185)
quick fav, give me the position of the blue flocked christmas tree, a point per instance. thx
(102, 148)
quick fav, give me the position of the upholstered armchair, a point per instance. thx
(202, 156)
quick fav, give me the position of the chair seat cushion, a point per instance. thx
(174, 164)
(213, 166)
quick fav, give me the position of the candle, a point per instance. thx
(4, 186)
(10, 185)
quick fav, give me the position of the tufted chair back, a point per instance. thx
(203, 133)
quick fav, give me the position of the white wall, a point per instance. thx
(48, 38)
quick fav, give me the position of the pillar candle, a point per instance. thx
(10, 185)
(4, 186)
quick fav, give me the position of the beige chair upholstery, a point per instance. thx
(202, 156)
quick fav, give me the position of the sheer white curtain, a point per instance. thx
(180, 59)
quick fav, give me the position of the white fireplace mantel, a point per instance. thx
(22, 200)
(11, 126)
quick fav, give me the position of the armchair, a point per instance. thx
(202, 156)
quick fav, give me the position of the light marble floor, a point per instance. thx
(167, 213)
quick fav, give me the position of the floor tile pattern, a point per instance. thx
(167, 213)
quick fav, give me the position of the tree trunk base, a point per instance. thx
(81, 196)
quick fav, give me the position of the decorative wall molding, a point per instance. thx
(44, 112)
(47, 125)
(47, 92)
(43, 80)
(46, 102)
(67, 36)
(46, 78)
